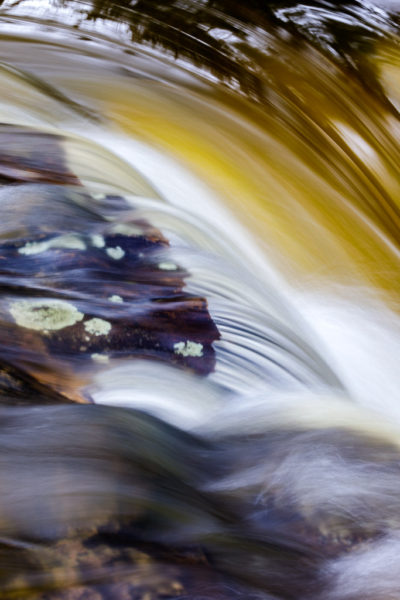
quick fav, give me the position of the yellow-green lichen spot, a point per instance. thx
(67, 242)
(115, 253)
(97, 326)
(97, 240)
(115, 298)
(167, 266)
(188, 348)
(45, 315)
(129, 230)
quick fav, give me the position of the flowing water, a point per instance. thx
(200, 332)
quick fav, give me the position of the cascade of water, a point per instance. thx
(199, 242)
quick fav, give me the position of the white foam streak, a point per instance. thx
(362, 338)
(371, 573)
(175, 397)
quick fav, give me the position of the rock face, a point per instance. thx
(84, 279)
(31, 156)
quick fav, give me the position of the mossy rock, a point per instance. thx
(85, 280)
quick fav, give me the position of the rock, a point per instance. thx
(84, 279)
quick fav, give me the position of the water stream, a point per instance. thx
(199, 309)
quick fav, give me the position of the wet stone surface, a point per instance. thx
(32, 156)
(84, 279)
(118, 573)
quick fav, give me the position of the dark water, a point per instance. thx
(199, 277)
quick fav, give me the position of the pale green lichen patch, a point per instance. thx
(188, 348)
(97, 326)
(167, 266)
(45, 315)
(97, 241)
(100, 358)
(115, 253)
(69, 242)
(127, 229)
(116, 298)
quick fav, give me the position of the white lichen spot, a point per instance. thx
(99, 196)
(127, 229)
(116, 298)
(97, 326)
(97, 240)
(34, 248)
(100, 358)
(69, 242)
(45, 315)
(115, 253)
(188, 348)
(167, 266)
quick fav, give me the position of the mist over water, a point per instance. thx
(199, 267)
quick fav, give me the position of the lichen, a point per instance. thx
(188, 348)
(115, 253)
(167, 266)
(116, 298)
(97, 326)
(69, 242)
(45, 315)
(129, 230)
(97, 240)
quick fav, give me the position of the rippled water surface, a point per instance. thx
(199, 309)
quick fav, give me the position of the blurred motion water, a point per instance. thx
(199, 317)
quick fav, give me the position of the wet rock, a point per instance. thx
(27, 155)
(83, 278)
(17, 387)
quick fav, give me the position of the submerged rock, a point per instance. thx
(27, 155)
